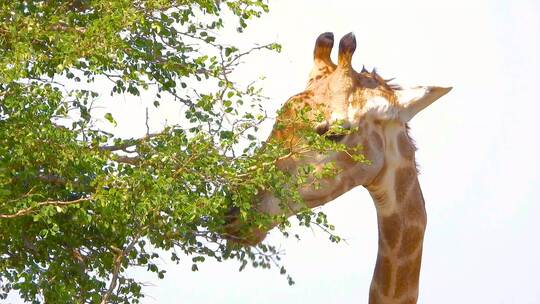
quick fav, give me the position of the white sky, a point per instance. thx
(478, 154)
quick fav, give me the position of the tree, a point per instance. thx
(78, 205)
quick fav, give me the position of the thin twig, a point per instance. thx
(120, 254)
(146, 122)
(132, 160)
(29, 210)
(129, 142)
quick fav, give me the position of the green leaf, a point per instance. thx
(109, 118)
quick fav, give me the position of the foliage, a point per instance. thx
(78, 205)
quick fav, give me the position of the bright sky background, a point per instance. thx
(478, 154)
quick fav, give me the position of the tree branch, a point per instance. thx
(129, 142)
(131, 160)
(52, 179)
(120, 254)
(29, 210)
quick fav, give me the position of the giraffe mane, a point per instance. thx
(385, 83)
(413, 146)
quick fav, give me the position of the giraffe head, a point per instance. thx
(370, 113)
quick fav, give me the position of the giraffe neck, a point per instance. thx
(401, 220)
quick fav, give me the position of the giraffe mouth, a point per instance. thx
(231, 215)
(238, 233)
(232, 224)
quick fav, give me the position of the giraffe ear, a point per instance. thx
(414, 100)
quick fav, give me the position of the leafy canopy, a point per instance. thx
(79, 205)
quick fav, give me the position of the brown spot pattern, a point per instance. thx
(404, 178)
(414, 206)
(411, 240)
(408, 276)
(391, 229)
(415, 274)
(383, 274)
(402, 280)
(393, 232)
(405, 146)
(374, 297)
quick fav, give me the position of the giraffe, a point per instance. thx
(377, 114)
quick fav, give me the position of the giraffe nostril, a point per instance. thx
(322, 128)
(334, 135)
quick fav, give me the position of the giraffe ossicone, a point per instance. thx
(377, 113)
